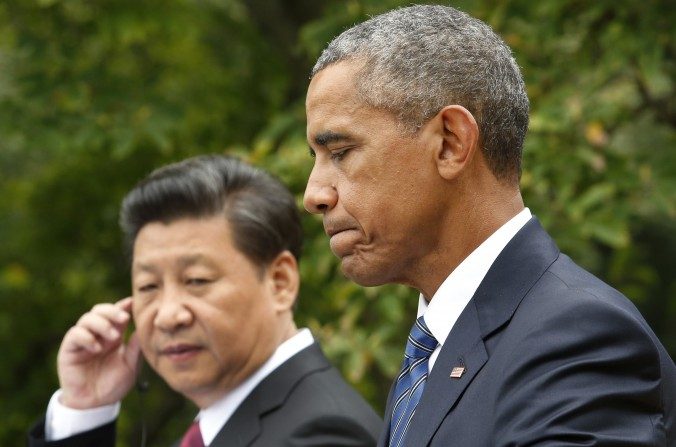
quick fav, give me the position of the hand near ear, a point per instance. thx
(95, 366)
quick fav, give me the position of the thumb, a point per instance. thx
(132, 354)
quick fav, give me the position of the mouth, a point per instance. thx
(342, 242)
(331, 229)
(344, 233)
(330, 232)
(180, 352)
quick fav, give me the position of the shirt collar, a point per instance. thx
(214, 417)
(457, 290)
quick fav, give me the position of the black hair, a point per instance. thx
(261, 211)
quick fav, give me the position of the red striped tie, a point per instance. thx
(193, 437)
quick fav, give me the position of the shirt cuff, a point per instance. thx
(63, 422)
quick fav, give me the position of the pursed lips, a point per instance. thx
(333, 228)
(343, 236)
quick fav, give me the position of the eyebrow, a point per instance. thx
(187, 261)
(183, 262)
(325, 138)
(139, 267)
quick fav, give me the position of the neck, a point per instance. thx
(290, 331)
(467, 225)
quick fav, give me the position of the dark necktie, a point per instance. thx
(411, 380)
(192, 437)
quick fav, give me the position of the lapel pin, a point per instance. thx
(457, 372)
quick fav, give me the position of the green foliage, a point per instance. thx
(94, 94)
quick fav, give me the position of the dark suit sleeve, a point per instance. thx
(583, 375)
(103, 436)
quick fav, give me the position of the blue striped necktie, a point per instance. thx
(411, 381)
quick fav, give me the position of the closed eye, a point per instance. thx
(145, 288)
(339, 154)
(198, 281)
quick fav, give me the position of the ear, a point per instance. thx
(460, 140)
(284, 280)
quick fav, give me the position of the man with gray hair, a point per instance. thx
(416, 119)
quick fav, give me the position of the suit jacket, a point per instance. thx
(552, 356)
(304, 402)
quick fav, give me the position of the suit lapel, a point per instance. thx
(385, 434)
(244, 425)
(515, 271)
(518, 267)
(441, 390)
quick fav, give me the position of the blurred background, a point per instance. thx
(96, 93)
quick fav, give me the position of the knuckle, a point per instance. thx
(98, 308)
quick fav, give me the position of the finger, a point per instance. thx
(100, 325)
(113, 312)
(78, 338)
(132, 354)
(125, 304)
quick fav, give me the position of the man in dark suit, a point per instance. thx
(215, 246)
(416, 119)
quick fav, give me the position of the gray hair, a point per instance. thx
(419, 59)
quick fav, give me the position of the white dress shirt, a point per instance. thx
(450, 299)
(63, 422)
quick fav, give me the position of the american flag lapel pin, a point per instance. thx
(458, 371)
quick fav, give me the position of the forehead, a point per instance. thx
(188, 237)
(333, 94)
(336, 80)
(335, 109)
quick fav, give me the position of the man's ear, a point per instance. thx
(284, 280)
(460, 140)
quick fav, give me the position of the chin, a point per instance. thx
(362, 274)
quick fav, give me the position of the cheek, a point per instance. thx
(219, 325)
(377, 210)
(363, 202)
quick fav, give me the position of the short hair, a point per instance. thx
(261, 211)
(419, 59)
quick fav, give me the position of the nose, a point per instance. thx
(320, 195)
(172, 313)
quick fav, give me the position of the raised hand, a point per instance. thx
(95, 366)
